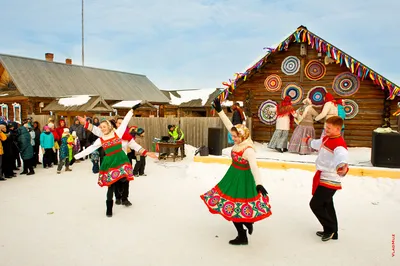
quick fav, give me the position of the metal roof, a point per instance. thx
(41, 78)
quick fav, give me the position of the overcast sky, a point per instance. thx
(196, 44)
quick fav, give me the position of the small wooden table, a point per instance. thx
(168, 146)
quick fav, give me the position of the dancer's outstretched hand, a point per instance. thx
(262, 190)
(217, 105)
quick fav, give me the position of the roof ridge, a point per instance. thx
(71, 65)
(302, 34)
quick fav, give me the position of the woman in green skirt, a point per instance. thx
(115, 167)
(239, 197)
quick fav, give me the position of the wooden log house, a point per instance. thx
(305, 65)
(34, 87)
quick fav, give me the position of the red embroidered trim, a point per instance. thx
(233, 219)
(247, 167)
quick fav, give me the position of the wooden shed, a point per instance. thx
(305, 65)
(189, 103)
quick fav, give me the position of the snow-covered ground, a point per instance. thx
(50, 219)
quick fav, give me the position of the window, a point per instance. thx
(4, 111)
(17, 112)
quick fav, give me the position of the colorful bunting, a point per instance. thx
(303, 35)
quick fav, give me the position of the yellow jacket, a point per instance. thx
(3, 137)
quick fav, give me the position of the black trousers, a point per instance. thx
(120, 189)
(28, 165)
(322, 206)
(140, 165)
(36, 153)
(48, 157)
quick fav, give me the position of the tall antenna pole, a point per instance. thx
(83, 42)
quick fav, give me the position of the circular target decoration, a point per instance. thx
(317, 95)
(346, 84)
(273, 83)
(267, 112)
(290, 65)
(315, 70)
(294, 91)
(351, 108)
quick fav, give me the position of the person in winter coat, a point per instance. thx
(80, 133)
(9, 149)
(177, 134)
(36, 129)
(57, 138)
(306, 127)
(284, 122)
(3, 137)
(47, 144)
(64, 152)
(13, 126)
(26, 149)
(140, 165)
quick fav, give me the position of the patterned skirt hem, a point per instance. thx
(234, 219)
(128, 178)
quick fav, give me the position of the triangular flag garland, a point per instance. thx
(303, 35)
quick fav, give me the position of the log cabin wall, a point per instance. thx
(369, 97)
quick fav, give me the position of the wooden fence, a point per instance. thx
(194, 128)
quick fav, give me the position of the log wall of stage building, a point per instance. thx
(358, 131)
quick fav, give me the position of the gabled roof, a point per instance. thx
(40, 78)
(95, 104)
(192, 98)
(302, 34)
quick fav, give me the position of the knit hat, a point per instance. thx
(140, 131)
(46, 127)
(66, 130)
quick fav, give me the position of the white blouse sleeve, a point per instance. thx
(324, 112)
(250, 156)
(316, 144)
(96, 131)
(121, 130)
(225, 120)
(340, 156)
(88, 150)
(133, 145)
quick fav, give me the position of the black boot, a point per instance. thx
(118, 202)
(326, 237)
(241, 239)
(249, 227)
(126, 202)
(109, 204)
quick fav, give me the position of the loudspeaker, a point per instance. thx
(385, 150)
(215, 140)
